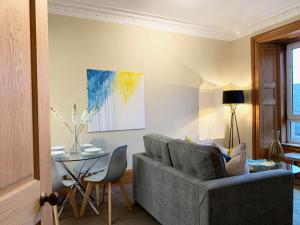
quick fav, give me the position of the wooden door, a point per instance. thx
(24, 112)
(269, 56)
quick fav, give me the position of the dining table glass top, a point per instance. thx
(65, 156)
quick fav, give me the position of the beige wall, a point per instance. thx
(184, 78)
(240, 78)
(175, 66)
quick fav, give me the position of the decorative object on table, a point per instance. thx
(76, 126)
(233, 97)
(259, 165)
(235, 159)
(92, 151)
(57, 153)
(84, 146)
(119, 96)
(57, 148)
(276, 152)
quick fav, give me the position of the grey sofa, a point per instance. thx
(182, 183)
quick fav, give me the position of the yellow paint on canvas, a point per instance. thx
(126, 83)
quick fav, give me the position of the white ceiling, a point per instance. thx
(220, 19)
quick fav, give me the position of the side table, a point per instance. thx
(292, 157)
(260, 165)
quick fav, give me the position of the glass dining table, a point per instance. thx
(82, 158)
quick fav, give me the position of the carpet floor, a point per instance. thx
(122, 216)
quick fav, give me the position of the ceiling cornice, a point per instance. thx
(120, 16)
(266, 21)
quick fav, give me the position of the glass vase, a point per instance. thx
(74, 144)
(276, 152)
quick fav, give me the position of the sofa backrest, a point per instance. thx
(156, 147)
(202, 161)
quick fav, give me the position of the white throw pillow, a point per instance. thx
(232, 152)
(237, 165)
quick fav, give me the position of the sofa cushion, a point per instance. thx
(156, 147)
(202, 161)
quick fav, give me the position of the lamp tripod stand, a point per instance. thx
(233, 122)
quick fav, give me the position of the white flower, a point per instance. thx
(57, 116)
(74, 115)
(84, 117)
(92, 114)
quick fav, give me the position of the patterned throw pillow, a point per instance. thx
(237, 164)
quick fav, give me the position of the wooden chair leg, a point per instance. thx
(55, 212)
(98, 194)
(109, 203)
(71, 195)
(86, 198)
(125, 195)
(103, 193)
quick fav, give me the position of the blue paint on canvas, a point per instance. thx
(99, 87)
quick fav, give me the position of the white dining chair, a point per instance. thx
(81, 167)
(111, 173)
(59, 184)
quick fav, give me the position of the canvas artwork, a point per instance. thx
(119, 98)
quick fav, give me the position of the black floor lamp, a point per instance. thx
(233, 97)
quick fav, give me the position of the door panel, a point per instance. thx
(24, 112)
(20, 206)
(15, 96)
(268, 102)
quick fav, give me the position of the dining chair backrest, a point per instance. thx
(56, 180)
(100, 165)
(117, 164)
(101, 162)
(99, 142)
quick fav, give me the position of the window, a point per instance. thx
(293, 92)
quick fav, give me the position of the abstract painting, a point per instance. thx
(119, 99)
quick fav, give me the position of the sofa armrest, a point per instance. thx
(147, 181)
(168, 194)
(264, 198)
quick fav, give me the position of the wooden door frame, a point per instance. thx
(279, 35)
(41, 100)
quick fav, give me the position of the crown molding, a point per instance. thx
(133, 18)
(120, 16)
(265, 22)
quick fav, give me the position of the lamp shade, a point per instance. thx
(233, 97)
